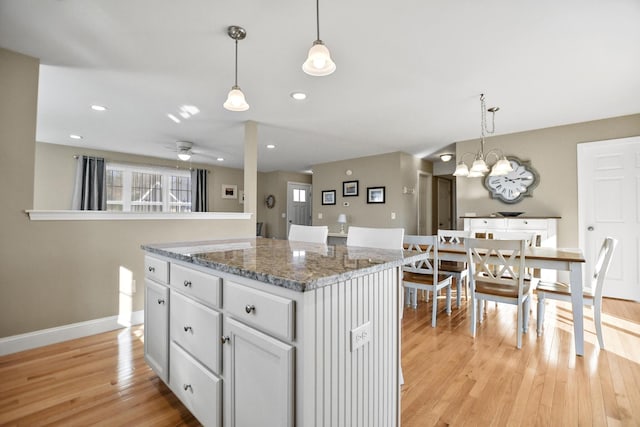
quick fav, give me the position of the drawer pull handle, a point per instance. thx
(160, 301)
(187, 282)
(224, 339)
(526, 222)
(188, 328)
(187, 387)
(152, 269)
(249, 308)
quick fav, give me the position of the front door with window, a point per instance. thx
(298, 204)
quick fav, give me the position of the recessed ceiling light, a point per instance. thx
(298, 96)
(174, 118)
(99, 108)
(220, 159)
(271, 146)
(74, 136)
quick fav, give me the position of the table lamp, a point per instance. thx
(342, 220)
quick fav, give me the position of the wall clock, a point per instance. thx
(519, 183)
(270, 201)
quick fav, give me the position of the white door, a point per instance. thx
(609, 205)
(298, 204)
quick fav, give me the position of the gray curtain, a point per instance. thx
(199, 199)
(90, 189)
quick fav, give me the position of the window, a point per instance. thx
(299, 195)
(132, 188)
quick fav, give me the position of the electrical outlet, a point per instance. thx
(319, 215)
(360, 336)
(393, 215)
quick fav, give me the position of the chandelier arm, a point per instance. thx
(495, 152)
(468, 153)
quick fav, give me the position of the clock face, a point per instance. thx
(511, 188)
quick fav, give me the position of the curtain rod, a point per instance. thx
(76, 156)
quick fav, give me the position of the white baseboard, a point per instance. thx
(16, 343)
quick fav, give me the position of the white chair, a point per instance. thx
(381, 238)
(424, 274)
(495, 275)
(308, 233)
(592, 292)
(458, 270)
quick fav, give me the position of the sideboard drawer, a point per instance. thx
(268, 312)
(197, 329)
(527, 224)
(487, 224)
(203, 286)
(156, 269)
(196, 387)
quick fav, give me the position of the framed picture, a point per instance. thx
(375, 194)
(329, 197)
(229, 191)
(349, 188)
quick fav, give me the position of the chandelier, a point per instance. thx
(480, 167)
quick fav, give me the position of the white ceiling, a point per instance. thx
(409, 73)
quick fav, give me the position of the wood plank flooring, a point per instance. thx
(450, 378)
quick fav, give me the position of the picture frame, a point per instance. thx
(375, 194)
(349, 188)
(229, 191)
(329, 197)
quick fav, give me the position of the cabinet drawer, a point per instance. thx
(268, 312)
(487, 224)
(197, 388)
(203, 286)
(197, 329)
(527, 224)
(156, 269)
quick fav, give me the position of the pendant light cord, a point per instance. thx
(236, 83)
(318, 19)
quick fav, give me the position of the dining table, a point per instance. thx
(560, 259)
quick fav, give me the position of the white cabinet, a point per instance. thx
(261, 367)
(156, 316)
(546, 228)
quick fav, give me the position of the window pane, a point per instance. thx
(114, 186)
(303, 196)
(146, 187)
(296, 195)
(179, 194)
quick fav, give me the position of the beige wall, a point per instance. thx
(275, 183)
(54, 273)
(553, 153)
(392, 170)
(55, 170)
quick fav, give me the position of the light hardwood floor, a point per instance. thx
(450, 378)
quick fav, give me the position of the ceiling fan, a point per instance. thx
(185, 150)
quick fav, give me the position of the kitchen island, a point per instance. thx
(269, 332)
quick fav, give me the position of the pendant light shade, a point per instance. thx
(318, 61)
(236, 100)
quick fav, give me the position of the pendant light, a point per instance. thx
(235, 100)
(318, 61)
(479, 167)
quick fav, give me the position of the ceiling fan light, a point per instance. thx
(461, 170)
(235, 100)
(319, 61)
(184, 155)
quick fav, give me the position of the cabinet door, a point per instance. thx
(156, 328)
(260, 378)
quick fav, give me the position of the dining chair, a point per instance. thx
(308, 233)
(592, 292)
(531, 239)
(495, 275)
(458, 270)
(381, 238)
(424, 275)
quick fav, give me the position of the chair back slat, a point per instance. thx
(381, 238)
(496, 261)
(455, 237)
(427, 245)
(308, 233)
(601, 267)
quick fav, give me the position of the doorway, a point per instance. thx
(608, 205)
(444, 198)
(424, 203)
(298, 204)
